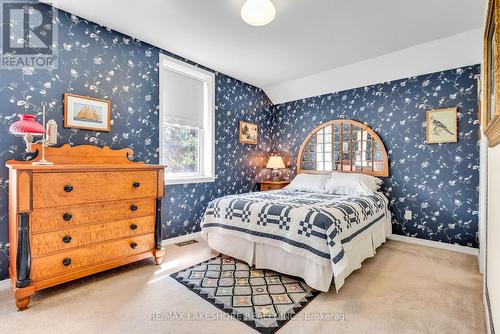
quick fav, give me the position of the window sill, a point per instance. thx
(188, 180)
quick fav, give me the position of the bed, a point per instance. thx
(317, 236)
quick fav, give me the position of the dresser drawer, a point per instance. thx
(46, 243)
(68, 261)
(50, 219)
(61, 189)
(266, 187)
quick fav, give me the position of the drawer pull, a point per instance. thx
(66, 261)
(133, 245)
(133, 227)
(67, 239)
(136, 184)
(68, 188)
(67, 216)
(133, 207)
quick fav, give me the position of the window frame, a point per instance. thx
(206, 151)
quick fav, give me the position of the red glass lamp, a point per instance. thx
(27, 127)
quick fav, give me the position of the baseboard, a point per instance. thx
(436, 244)
(4, 283)
(186, 237)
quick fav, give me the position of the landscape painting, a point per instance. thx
(248, 133)
(87, 113)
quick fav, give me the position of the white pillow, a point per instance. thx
(352, 184)
(308, 182)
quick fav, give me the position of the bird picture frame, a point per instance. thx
(441, 126)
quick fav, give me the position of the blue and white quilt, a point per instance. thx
(314, 225)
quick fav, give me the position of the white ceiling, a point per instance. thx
(306, 37)
(455, 51)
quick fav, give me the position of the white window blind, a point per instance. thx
(183, 98)
(187, 122)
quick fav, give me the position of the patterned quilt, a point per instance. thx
(314, 225)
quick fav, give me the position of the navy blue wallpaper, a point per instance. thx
(438, 183)
(96, 61)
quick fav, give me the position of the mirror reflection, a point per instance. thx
(342, 147)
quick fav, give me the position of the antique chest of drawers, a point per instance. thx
(92, 210)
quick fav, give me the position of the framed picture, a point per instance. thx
(441, 126)
(248, 133)
(86, 113)
(491, 75)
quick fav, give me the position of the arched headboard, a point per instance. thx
(344, 146)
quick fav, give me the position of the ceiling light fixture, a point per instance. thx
(258, 12)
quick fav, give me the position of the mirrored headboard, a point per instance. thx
(343, 146)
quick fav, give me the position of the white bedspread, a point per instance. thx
(312, 226)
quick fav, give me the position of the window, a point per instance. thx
(182, 147)
(187, 118)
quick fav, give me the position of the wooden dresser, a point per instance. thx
(92, 211)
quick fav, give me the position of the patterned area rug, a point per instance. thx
(262, 299)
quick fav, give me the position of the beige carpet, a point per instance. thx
(404, 289)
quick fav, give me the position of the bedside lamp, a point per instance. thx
(275, 162)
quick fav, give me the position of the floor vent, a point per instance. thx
(185, 243)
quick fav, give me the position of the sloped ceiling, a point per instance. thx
(306, 37)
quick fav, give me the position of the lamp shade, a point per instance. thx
(275, 162)
(27, 124)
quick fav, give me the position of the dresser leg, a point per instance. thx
(159, 254)
(22, 303)
(23, 296)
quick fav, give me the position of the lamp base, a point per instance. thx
(275, 175)
(43, 162)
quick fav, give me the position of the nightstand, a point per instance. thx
(272, 185)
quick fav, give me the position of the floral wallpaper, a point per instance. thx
(95, 61)
(439, 182)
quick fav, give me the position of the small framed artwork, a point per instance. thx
(86, 113)
(248, 133)
(442, 126)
